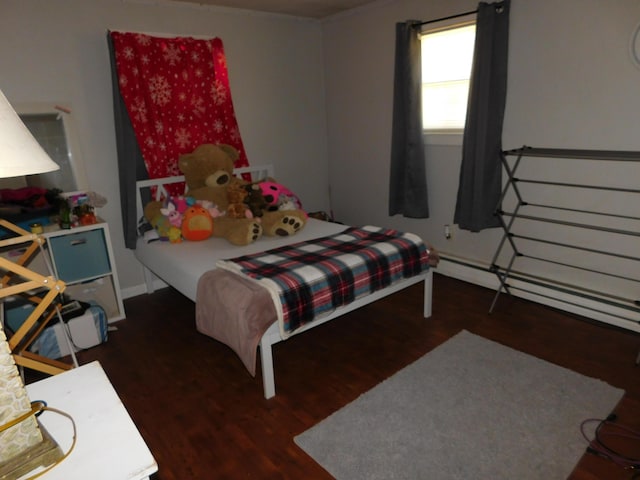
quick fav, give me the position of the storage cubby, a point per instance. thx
(83, 258)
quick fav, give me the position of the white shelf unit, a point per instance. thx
(83, 258)
(570, 231)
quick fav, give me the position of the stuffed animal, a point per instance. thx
(208, 172)
(255, 199)
(279, 197)
(172, 213)
(236, 196)
(197, 223)
(165, 229)
(209, 206)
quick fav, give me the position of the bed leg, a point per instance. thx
(266, 359)
(148, 279)
(428, 294)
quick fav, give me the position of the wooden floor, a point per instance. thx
(204, 417)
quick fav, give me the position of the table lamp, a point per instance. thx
(24, 444)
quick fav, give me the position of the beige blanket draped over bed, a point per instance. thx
(243, 310)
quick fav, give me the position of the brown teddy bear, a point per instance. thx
(208, 173)
(237, 198)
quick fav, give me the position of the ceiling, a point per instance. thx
(300, 8)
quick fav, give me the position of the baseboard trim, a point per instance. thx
(479, 273)
(141, 289)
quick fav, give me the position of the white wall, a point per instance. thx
(56, 51)
(307, 91)
(571, 85)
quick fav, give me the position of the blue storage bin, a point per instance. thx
(15, 315)
(80, 256)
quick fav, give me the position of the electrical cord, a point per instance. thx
(71, 447)
(597, 445)
(37, 407)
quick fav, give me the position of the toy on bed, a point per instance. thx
(197, 223)
(279, 197)
(165, 230)
(237, 207)
(174, 210)
(208, 173)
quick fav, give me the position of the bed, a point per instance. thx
(200, 271)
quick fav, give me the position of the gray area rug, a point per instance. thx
(470, 408)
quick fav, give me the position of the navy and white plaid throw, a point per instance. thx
(313, 278)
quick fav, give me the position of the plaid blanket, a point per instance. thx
(310, 279)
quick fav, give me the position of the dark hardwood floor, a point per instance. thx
(204, 417)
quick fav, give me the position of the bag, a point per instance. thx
(81, 331)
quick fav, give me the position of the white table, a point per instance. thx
(108, 446)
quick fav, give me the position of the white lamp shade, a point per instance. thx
(20, 152)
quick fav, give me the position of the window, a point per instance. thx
(447, 55)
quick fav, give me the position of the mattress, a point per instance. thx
(182, 264)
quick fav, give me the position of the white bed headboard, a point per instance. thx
(143, 187)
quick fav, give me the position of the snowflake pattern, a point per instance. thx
(143, 40)
(139, 110)
(183, 137)
(218, 92)
(160, 90)
(172, 55)
(177, 94)
(235, 134)
(198, 106)
(127, 53)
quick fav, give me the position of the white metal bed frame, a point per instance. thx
(272, 335)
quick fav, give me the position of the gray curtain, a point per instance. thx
(131, 165)
(408, 184)
(481, 171)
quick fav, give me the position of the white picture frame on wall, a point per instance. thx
(64, 151)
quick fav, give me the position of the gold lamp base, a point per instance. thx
(43, 454)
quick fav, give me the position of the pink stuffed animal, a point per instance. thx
(278, 196)
(182, 203)
(172, 214)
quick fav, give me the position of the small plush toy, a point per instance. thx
(172, 214)
(209, 206)
(237, 208)
(255, 199)
(165, 230)
(279, 197)
(182, 203)
(175, 235)
(197, 223)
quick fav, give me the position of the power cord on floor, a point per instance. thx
(598, 446)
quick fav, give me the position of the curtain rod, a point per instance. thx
(498, 6)
(448, 18)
